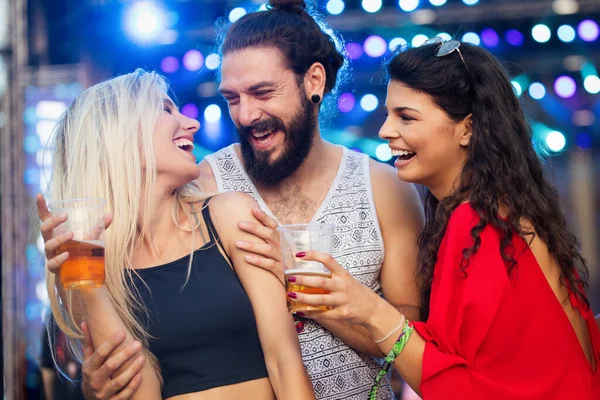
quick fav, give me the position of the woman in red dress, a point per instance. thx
(503, 282)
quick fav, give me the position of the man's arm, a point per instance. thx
(401, 218)
(278, 337)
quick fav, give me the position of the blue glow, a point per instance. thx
(32, 311)
(31, 252)
(212, 131)
(335, 7)
(471, 37)
(172, 18)
(584, 141)
(145, 20)
(566, 33)
(383, 152)
(592, 84)
(31, 144)
(537, 91)
(445, 36)
(369, 102)
(371, 6)
(212, 61)
(517, 88)
(438, 3)
(212, 113)
(236, 14)
(29, 115)
(541, 33)
(418, 40)
(32, 176)
(470, 2)
(556, 141)
(395, 42)
(408, 5)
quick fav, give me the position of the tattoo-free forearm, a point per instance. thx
(354, 336)
(410, 361)
(103, 321)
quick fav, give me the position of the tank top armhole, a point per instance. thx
(369, 187)
(212, 232)
(212, 162)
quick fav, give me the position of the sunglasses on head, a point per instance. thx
(445, 48)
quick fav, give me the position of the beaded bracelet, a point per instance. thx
(389, 359)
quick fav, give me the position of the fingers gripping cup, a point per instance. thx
(85, 265)
(300, 238)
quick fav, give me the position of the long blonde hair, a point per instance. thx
(98, 148)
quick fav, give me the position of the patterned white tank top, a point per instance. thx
(337, 371)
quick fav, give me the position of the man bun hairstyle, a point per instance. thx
(296, 31)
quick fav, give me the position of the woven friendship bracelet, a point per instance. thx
(391, 357)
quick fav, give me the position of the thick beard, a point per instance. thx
(299, 138)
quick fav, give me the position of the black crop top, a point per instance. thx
(204, 332)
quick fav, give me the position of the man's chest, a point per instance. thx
(291, 207)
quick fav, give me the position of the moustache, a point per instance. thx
(271, 124)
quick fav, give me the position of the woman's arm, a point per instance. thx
(276, 330)
(409, 362)
(103, 321)
(440, 355)
(93, 305)
(358, 305)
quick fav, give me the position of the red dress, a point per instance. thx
(490, 337)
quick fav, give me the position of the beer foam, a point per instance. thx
(304, 271)
(96, 242)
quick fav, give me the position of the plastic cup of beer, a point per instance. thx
(300, 238)
(85, 218)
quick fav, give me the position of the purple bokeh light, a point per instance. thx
(169, 64)
(565, 86)
(514, 37)
(354, 51)
(588, 30)
(489, 37)
(375, 46)
(190, 110)
(193, 60)
(346, 102)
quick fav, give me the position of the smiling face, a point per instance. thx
(275, 120)
(430, 147)
(173, 144)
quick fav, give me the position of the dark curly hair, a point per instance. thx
(297, 33)
(502, 167)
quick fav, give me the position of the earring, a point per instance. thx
(315, 98)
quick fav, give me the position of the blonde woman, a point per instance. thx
(210, 325)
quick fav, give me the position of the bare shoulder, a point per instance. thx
(389, 191)
(234, 203)
(206, 180)
(227, 210)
